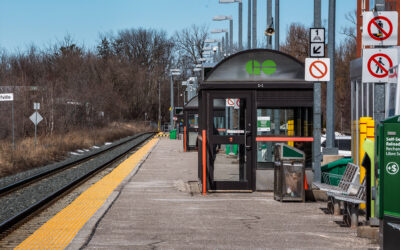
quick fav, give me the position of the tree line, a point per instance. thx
(119, 79)
(77, 87)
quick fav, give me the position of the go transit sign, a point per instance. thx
(253, 67)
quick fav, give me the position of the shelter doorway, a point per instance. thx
(230, 147)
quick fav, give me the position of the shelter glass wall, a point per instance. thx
(283, 122)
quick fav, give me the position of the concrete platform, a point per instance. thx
(156, 209)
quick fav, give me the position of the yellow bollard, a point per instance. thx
(354, 149)
(291, 131)
(363, 136)
(371, 136)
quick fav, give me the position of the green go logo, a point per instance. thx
(254, 68)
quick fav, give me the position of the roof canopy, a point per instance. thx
(257, 65)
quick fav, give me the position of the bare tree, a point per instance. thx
(190, 42)
(297, 42)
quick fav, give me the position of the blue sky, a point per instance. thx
(44, 22)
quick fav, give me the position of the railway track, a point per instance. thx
(25, 195)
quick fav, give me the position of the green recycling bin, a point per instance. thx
(172, 134)
(332, 172)
(388, 154)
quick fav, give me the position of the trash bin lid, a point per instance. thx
(290, 153)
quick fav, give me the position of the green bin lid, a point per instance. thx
(290, 153)
(338, 163)
(393, 119)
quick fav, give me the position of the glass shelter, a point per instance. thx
(191, 122)
(266, 101)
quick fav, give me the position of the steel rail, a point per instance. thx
(4, 225)
(65, 164)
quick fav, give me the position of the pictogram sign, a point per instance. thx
(317, 69)
(380, 28)
(230, 102)
(237, 104)
(317, 35)
(377, 63)
(317, 49)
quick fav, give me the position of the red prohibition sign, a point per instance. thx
(321, 67)
(231, 102)
(378, 64)
(386, 33)
(238, 102)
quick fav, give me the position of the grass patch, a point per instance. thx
(51, 148)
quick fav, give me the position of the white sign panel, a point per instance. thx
(232, 102)
(36, 105)
(377, 63)
(36, 118)
(317, 35)
(380, 28)
(6, 97)
(317, 49)
(317, 69)
(237, 104)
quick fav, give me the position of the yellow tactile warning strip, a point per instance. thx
(58, 232)
(162, 134)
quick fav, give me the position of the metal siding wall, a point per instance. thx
(285, 98)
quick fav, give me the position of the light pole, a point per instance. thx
(254, 27)
(159, 105)
(270, 21)
(240, 19)
(216, 31)
(173, 72)
(223, 18)
(214, 48)
(249, 25)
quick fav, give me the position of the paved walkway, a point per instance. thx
(155, 209)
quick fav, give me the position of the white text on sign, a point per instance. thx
(6, 97)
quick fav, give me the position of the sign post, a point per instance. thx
(10, 97)
(36, 118)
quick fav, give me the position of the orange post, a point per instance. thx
(184, 138)
(305, 182)
(204, 154)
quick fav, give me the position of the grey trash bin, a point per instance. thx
(289, 173)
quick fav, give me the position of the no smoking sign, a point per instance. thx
(377, 63)
(317, 69)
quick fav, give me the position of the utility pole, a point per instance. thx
(223, 48)
(249, 25)
(227, 49)
(379, 88)
(171, 113)
(277, 113)
(254, 24)
(269, 23)
(231, 36)
(330, 88)
(159, 105)
(316, 163)
(240, 26)
(277, 24)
